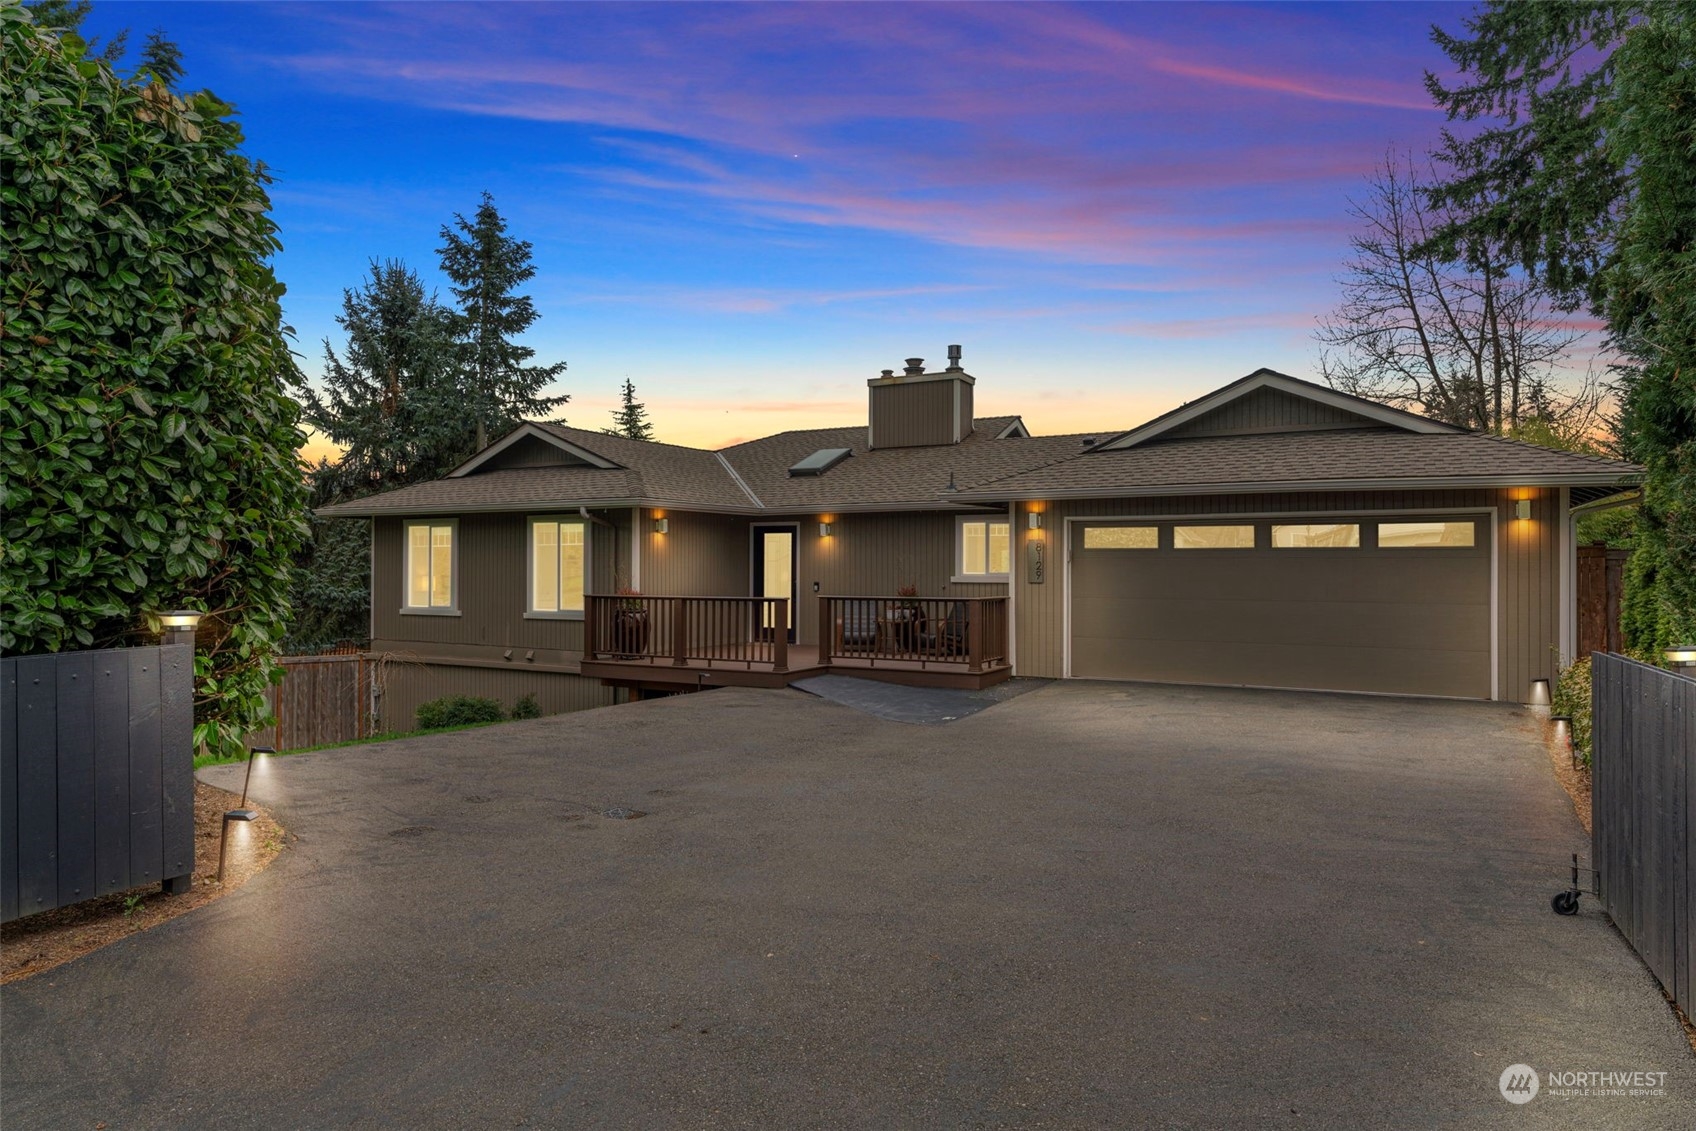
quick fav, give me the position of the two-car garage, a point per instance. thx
(1384, 603)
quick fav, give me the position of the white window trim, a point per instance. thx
(452, 609)
(530, 566)
(960, 574)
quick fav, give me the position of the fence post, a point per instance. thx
(679, 632)
(780, 635)
(827, 632)
(974, 636)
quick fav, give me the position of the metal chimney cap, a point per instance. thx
(889, 372)
(915, 366)
(954, 357)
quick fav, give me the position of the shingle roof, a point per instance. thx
(887, 477)
(1301, 459)
(753, 477)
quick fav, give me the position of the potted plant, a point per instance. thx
(630, 626)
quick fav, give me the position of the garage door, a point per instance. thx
(1390, 604)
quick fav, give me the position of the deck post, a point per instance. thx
(827, 631)
(974, 636)
(680, 632)
(780, 635)
(590, 609)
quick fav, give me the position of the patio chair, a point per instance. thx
(948, 638)
(856, 627)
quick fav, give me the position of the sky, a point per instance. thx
(749, 209)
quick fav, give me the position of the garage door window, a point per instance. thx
(1121, 537)
(1426, 535)
(1316, 536)
(1213, 537)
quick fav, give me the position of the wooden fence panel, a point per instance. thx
(1644, 813)
(1601, 583)
(97, 770)
(322, 700)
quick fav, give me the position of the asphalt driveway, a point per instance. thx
(1094, 905)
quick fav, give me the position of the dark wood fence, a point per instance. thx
(1643, 798)
(1601, 581)
(322, 700)
(96, 775)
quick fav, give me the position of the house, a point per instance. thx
(1272, 533)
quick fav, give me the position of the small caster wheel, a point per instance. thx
(1565, 903)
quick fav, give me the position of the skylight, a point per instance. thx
(821, 461)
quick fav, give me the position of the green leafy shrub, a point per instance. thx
(150, 447)
(458, 711)
(1572, 697)
(526, 708)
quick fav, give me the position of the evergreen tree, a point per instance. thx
(486, 266)
(1584, 175)
(631, 419)
(162, 58)
(390, 398)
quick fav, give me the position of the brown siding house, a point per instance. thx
(1272, 533)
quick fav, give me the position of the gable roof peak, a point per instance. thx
(1369, 412)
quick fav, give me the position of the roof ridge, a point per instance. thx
(740, 482)
(621, 439)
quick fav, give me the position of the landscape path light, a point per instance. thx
(242, 814)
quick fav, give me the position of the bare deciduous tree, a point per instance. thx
(1471, 342)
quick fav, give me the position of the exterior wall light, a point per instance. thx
(824, 530)
(1035, 520)
(661, 525)
(1539, 693)
(1681, 655)
(1522, 509)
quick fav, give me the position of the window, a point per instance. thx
(1316, 536)
(1213, 537)
(1415, 535)
(1121, 537)
(984, 547)
(430, 562)
(556, 566)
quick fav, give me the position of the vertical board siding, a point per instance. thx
(1527, 597)
(98, 767)
(920, 414)
(699, 555)
(1643, 840)
(407, 685)
(1267, 410)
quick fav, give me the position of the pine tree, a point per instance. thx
(390, 398)
(67, 16)
(486, 266)
(162, 58)
(1577, 165)
(631, 420)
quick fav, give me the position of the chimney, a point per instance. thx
(916, 409)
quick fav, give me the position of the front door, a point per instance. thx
(774, 573)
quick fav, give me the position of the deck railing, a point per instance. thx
(684, 630)
(914, 630)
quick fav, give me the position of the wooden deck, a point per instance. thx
(658, 674)
(671, 643)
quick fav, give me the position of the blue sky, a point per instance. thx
(749, 209)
